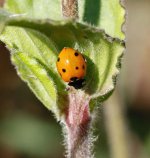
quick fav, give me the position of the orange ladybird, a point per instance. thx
(71, 66)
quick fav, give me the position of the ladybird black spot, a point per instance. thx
(77, 67)
(58, 59)
(83, 67)
(64, 70)
(76, 53)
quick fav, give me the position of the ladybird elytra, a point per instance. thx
(71, 65)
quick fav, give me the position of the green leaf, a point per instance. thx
(36, 9)
(42, 40)
(3, 19)
(105, 14)
(34, 56)
(39, 78)
(35, 42)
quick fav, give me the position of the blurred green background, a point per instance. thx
(29, 130)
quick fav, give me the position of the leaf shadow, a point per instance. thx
(91, 75)
(92, 11)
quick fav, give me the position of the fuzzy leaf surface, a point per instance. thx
(40, 41)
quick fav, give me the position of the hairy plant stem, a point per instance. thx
(79, 141)
(70, 9)
(78, 126)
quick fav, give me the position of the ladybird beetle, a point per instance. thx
(71, 66)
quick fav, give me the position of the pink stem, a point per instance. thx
(78, 123)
